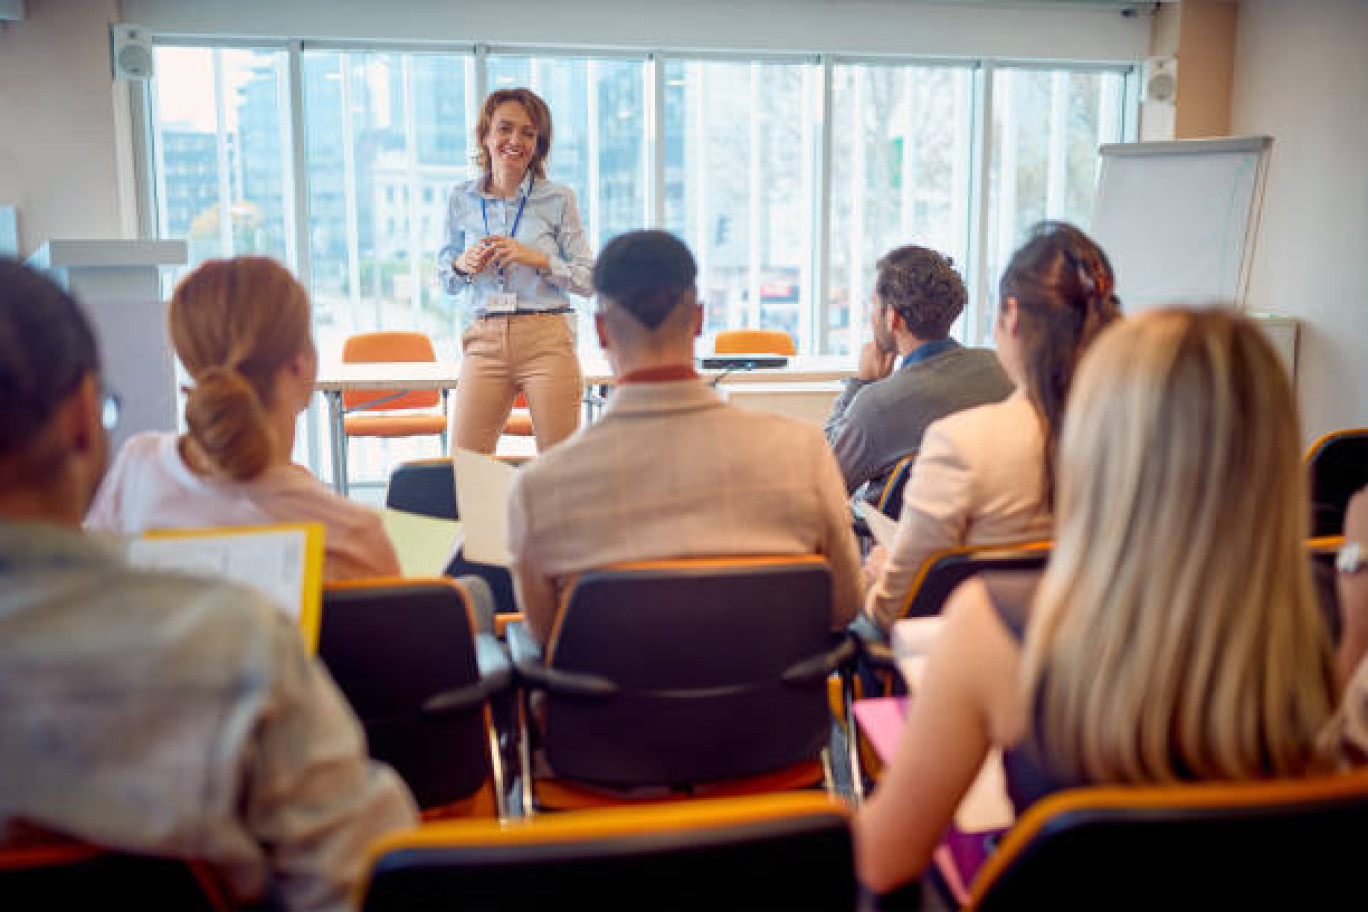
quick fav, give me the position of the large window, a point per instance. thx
(787, 202)
(738, 177)
(599, 140)
(788, 177)
(221, 150)
(386, 137)
(598, 109)
(900, 174)
(1047, 125)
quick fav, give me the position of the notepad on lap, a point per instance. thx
(983, 813)
(424, 544)
(283, 561)
(985, 806)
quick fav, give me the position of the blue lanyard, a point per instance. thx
(517, 220)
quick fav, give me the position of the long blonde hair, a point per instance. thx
(235, 323)
(1175, 635)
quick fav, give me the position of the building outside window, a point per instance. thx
(787, 177)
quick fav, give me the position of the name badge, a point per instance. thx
(503, 302)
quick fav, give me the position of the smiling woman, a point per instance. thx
(516, 247)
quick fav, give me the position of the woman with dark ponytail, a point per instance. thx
(987, 474)
(241, 330)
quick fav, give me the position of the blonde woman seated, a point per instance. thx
(241, 329)
(984, 474)
(1174, 636)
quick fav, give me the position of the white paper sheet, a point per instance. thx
(482, 485)
(424, 544)
(272, 562)
(883, 528)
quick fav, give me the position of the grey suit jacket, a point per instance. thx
(670, 471)
(873, 425)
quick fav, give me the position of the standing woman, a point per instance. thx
(515, 244)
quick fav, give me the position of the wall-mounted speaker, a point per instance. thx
(1160, 80)
(130, 52)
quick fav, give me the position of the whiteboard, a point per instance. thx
(1178, 219)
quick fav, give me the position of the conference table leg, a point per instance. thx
(338, 430)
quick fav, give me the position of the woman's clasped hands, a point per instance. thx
(500, 252)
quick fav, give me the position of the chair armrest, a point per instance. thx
(534, 674)
(873, 648)
(521, 646)
(496, 676)
(820, 667)
(496, 669)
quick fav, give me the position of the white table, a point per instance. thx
(336, 378)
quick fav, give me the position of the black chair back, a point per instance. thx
(1338, 464)
(643, 858)
(426, 487)
(1274, 845)
(891, 498)
(697, 656)
(392, 646)
(947, 570)
(499, 580)
(76, 876)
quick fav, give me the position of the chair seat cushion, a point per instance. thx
(567, 795)
(394, 425)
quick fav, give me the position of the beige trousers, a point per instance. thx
(501, 356)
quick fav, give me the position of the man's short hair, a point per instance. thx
(46, 350)
(924, 288)
(646, 273)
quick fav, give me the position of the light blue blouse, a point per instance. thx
(550, 223)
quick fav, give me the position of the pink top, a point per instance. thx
(149, 486)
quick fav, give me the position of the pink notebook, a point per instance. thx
(961, 852)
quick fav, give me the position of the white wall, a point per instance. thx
(1301, 76)
(838, 26)
(59, 156)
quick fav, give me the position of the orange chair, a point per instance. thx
(665, 681)
(1280, 844)
(754, 342)
(520, 422)
(1338, 466)
(406, 413)
(422, 681)
(790, 851)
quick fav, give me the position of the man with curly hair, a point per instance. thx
(880, 416)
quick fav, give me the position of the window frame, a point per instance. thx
(813, 316)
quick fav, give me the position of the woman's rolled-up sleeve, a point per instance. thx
(454, 244)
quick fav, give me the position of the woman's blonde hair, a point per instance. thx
(1176, 635)
(235, 323)
(537, 112)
